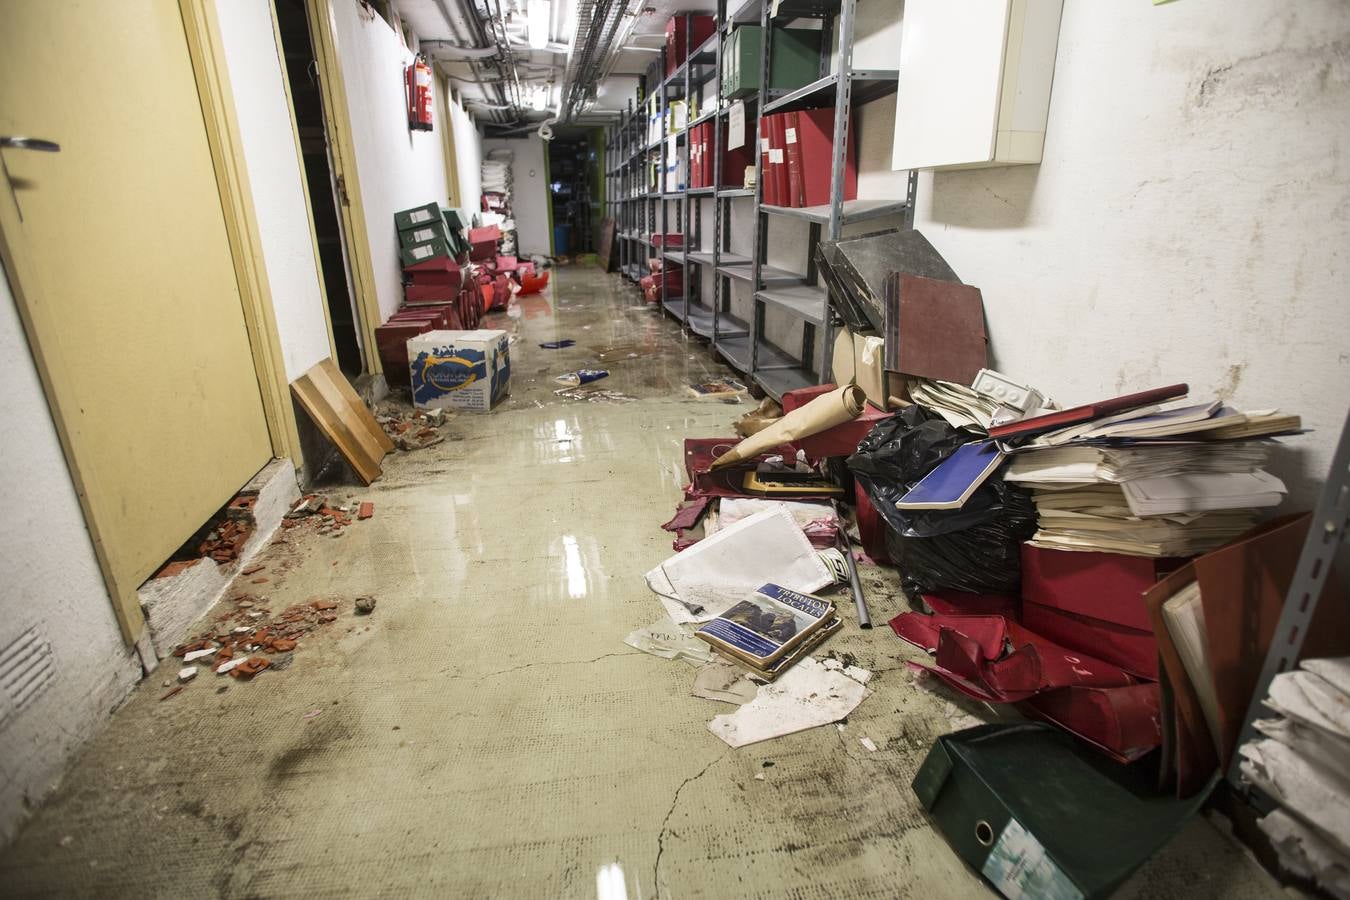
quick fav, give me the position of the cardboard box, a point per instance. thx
(469, 370)
(417, 216)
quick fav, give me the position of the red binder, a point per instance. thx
(778, 159)
(815, 133)
(793, 148)
(768, 192)
(696, 157)
(1079, 414)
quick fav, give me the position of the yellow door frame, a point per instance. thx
(304, 181)
(448, 139)
(207, 51)
(342, 151)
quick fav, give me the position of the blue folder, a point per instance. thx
(950, 485)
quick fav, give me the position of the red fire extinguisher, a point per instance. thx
(419, 95)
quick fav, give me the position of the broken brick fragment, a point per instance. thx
(325, 618)
(282, 645)
(365, 510)
(177, 567)
(249, 570)
(250, 667)
(323, 604)
(263, 580)
(184, 649)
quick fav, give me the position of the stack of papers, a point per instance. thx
(1153, 481)
(1086, 464)
(961, 406)
(1111, 528)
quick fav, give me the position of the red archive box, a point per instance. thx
(391, 342)
(1094, 602)
(429, 293)
(679, 44)
(813, 138)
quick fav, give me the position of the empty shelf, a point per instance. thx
(777, 382)
(805, 301)
(767, 274)
(867, 85)
(853, 210)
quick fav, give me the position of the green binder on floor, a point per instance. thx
(1039, 815)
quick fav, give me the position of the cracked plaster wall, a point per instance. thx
(51, 583)
(1190, 220)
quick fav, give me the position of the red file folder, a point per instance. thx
(778, 159)
(815, 133)
(768, 188)
(793, 149)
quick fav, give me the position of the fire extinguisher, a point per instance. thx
(418, 78)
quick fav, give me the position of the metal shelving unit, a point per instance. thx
(774, 291)
(803, 297)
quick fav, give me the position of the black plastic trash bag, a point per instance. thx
(975, 548)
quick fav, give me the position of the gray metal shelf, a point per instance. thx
(805, 301)
(867, 85)
(850, 211)
(768, 275)
(733, 193)
(777, 382)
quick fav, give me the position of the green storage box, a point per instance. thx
(796, 60)
(420, 253)
(417, 216)
(423, 233)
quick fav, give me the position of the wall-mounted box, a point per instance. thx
(975, 82)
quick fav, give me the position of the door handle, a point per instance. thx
(18, 142)
(27, 143)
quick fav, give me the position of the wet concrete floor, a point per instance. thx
(486, 732)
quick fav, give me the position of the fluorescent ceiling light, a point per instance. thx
(537, 21)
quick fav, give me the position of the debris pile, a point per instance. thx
(222, 539)
(234, 644)
(331, 519)
(412, 429)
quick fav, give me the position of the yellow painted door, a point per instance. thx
(118, 252)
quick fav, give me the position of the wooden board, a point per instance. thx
(343, 418)
(606, 251)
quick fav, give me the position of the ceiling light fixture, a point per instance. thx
(537, 23)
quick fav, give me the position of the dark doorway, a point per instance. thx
(307, 105)
(575, 193)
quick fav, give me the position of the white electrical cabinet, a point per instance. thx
(975, 82)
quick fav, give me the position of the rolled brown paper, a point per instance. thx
(823, 413)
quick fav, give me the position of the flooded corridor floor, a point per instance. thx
(486, 732)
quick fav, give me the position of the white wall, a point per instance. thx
(1190, 220)
(51, 583)
(275, 177)
(398, 168)
(530, 192)
(468, 140)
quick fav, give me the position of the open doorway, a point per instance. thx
(575, 192)
(325, 189)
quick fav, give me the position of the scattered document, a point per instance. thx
(806, 696)
(704, 581)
